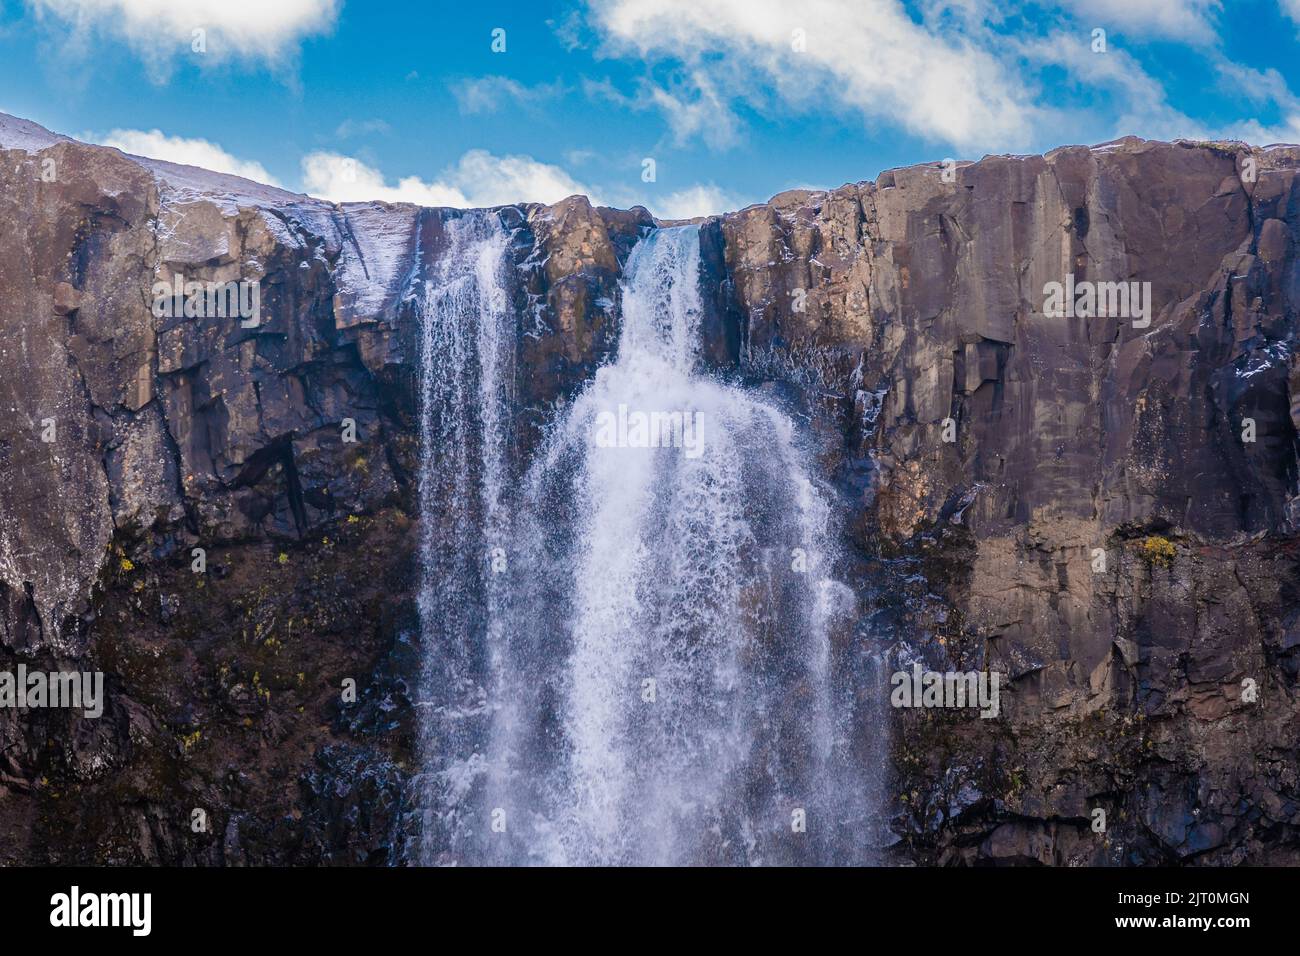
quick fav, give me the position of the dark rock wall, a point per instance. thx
(1074, 438)
(879, 310)
(226, 688)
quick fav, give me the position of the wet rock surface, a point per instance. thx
(1096, 530)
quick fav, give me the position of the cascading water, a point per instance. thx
(467, 348)
(628, 652)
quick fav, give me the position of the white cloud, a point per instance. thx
(478, 179)
(1171, 19)
(867, 56)
(1261, 134)
(698, 200)
(492, 180)
(1261, 87)
(159, 29)
(692, 107)
(190, 152)
(579, 157)
(487, 94)
(344, 179)
(1137, 101)
(702, 112)
(944, 70)
(350, 127)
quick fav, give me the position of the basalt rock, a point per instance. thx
(1099, 509)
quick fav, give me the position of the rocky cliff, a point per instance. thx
(219, 514)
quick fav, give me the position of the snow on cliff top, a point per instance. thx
(377, 239)
(181, 181)
(23, 134)
(224, 188)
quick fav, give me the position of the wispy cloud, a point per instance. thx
(947, 71)
(1127, 99)
(161, 30)
(865, 56)
(1188, 20)
(692, 107)
(487, 94)
(1262, 88)
(350, 127)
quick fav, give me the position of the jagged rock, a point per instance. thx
(889, 312)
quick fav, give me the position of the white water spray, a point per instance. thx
(665, 690)
(467, 348)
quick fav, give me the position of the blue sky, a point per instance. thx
(733, 100)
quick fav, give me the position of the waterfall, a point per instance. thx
(467, 345)
(664, 692)
(634, 647)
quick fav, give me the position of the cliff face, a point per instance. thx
(1097, 528)
(1068, 501)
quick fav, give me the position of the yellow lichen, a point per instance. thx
(1158, 550)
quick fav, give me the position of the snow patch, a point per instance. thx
(23, 134)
